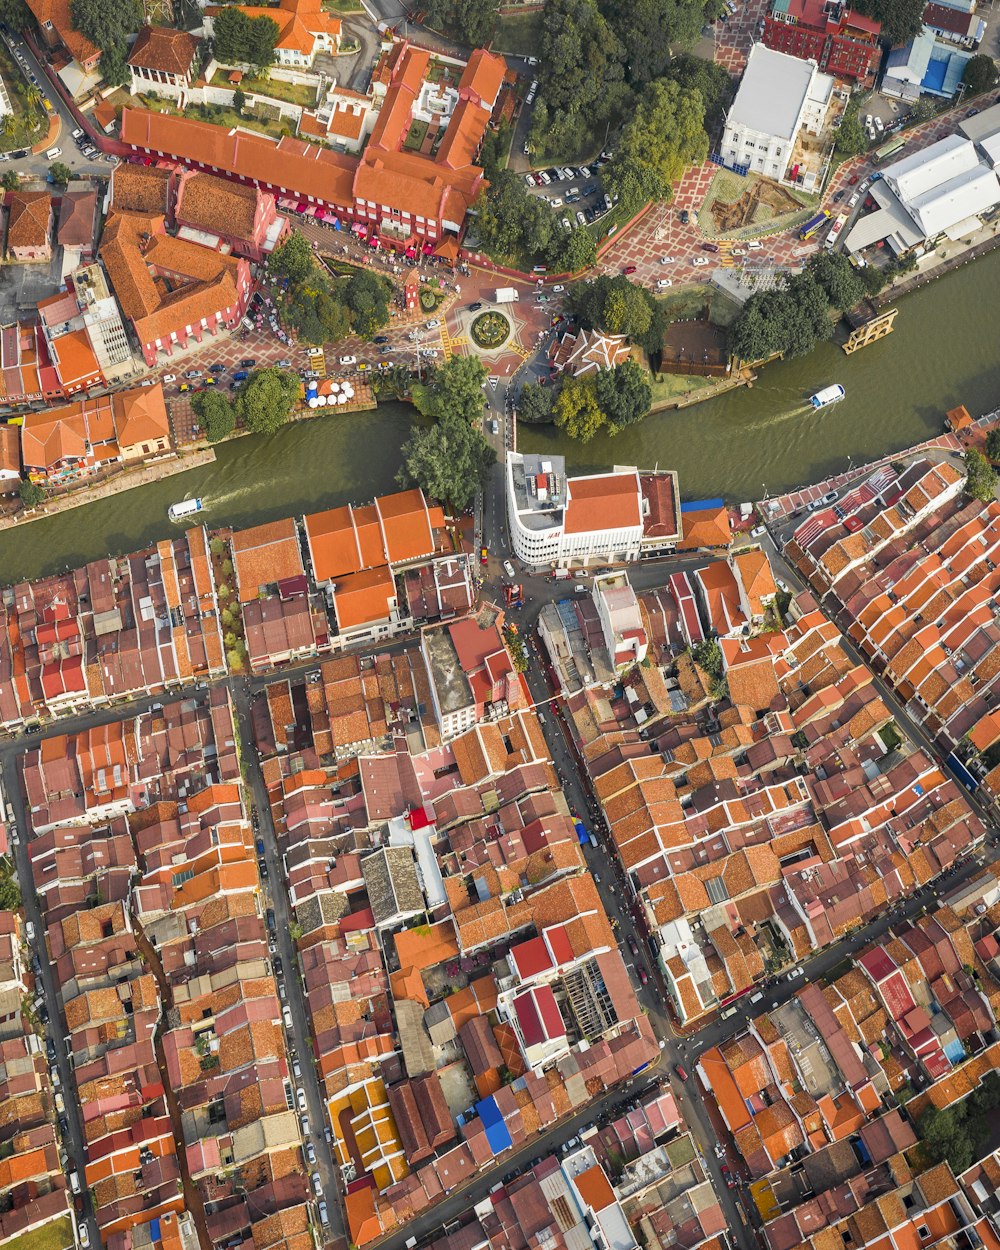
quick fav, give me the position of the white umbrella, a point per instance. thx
(342, 399)
(334, 387)
(314, 403)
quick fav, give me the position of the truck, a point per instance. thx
(506, 295)
(561, 575)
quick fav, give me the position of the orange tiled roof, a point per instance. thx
(57, 12)
(163, 48)
(218, 205)
(609, 501)
(28, 223)
(265, 554)
(140, 415)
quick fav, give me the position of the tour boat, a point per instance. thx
(828, 395)
(178, 511)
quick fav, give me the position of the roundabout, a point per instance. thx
(490, 330)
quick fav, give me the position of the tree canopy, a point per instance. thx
(238, 39)
(60, 172)
(851, 137)
(215, 413)
(366, 295)
(265, 400)
(31, 493)
(320, 309)
(576, 409)
(959, 1134)
(450, 461)
(107, 26)
(15, 13)
(710, 80)
(901, 19)
(534, 404)
(665, 133)
(472, 21)
(456, 388)
(842, 283)
(624, 394)
(619, 306)
(981, 479)
(980, 73)
(790, 321)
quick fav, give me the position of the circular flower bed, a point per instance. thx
(489, 330)
(429, 298)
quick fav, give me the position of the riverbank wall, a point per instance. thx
(128, 479)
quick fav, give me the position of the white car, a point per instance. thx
(738, 251)
(324, 1217)
(348, 360)
(431, 325)
(566, 224)
(310, 1152)
(84, 1234)
(529, 180)
(77, 134)
(556, 290)
(53, 154)
(545, 179)
(853, 200)
(555, 200)
(699, 260)
(664, 282)
(755, 245)
(300, 1098)
(581, 219)
(868, 121)
(508, 568)
(878, 125)
(169, 377)
(667, 260)
(317, 1185)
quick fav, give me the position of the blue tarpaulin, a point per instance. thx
(154, 1230)
(581, 832)
(701, 505)
(963, 774)
(496, 1131)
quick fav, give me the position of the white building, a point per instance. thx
(555, 520)
(621, 620)
(943, 190)
(779, 95)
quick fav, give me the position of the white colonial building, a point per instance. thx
(555, 520)
(778, 97)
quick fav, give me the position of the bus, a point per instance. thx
(838, 225)
(813, 224)
(889, 149)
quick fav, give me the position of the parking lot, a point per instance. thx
(576, 195)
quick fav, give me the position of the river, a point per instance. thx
(944, 351)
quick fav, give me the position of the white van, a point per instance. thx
(756, 998)
(53, 154)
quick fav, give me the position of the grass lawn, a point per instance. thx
(689, 301)
(667, 387)
(415, 136)
(275, 88)
(57, 1235)
(30, 121)
(519, 34)
(218, 116)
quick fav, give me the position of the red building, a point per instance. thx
(840, 41)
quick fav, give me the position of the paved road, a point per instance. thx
(299, 1037)
(38, 166)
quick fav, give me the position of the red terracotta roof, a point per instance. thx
(610, 501)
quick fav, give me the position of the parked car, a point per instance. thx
(484, 555)
(169, 377)
(685, 216)
(508, 568)
(432, 325)
(218, 367)
(317, 1185)
(194, 373)
(667, 260)
(854, 180)
(284, 364)
(348, 360)
(839, 196)
(300, 1098)
(83, 1233)
(247, 364)
(78, 133)
(633, 946)
(310, 1153)
(381, 338)
(755, 245)
(52, 154)
(710, 247)
(700, 260)
(581, 219)
(628, 269)
(664, 283)
(557, 290)
(324, 1216)
(240, 375)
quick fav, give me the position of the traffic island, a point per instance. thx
(490, 330)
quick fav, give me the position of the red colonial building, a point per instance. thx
(840, 41)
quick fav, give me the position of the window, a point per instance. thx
(924, 1231)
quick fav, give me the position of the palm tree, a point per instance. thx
(32, 95)
(8, 125)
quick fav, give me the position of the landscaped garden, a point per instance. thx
(490, 330)
(415, 136)
(430, 297)
(302, 94)
(27, 122)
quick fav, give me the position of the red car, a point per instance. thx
(680, 1072)
(483, 556)
(854, 180)
(628, 269)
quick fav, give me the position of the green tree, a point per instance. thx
(15, 13)
(215, 413)
(572, 252)
(114, 66)
(626, 312)
(294, 258)
(316, 312)
(31, 493)
(665, 134)
(842, 283)
(993, 444)
(392, 383)
(107, 25)
(712, 82)
(980, 479)
(851, 137)
(32, 95)
(10, 181)
(263, 36)
(901, 19)
(923, 110)
(512, 225)
(450, 461)
(473, 22)
(10, 892)
(576, 410)
(242, 40)
(455, 389)
(648, 29)
(239, 100)
(265, 400)
(534, 404)
(61, 173)
(367, 294)
(980, 74)
(624, 394)
(8, 125)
